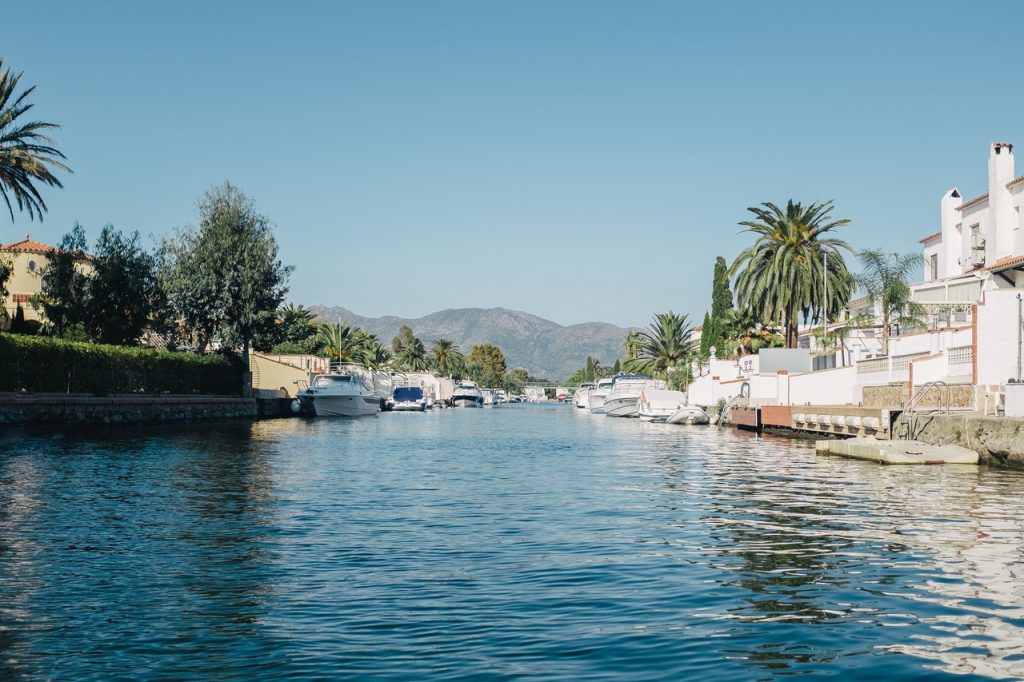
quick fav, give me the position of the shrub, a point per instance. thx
(40, 364)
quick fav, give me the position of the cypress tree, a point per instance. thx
(707, 335)
(721, 301)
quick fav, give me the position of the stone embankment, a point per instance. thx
(72, 409)
(997, 440)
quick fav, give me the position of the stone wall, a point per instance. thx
(890, 395)
(128, 409)
(997, 440)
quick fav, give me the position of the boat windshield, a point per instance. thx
(408, 394)
(334, 380)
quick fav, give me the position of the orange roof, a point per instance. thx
(931, 237)
(26, 245)
(1005, 262)
(972, 202)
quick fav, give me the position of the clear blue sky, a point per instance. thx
(577, 160)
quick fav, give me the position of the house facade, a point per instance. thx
(28, 258)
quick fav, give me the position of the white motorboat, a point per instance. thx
(467, 394)
(598, 394)
(345, 392)
(408, 399)
(490, 397)
(688, 414)
(428, 384)
(582, 397)
(625, 394)
(657, 405)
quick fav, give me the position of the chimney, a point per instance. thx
(951, 257)
(1000, 202)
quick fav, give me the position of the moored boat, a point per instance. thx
(688, 414)
(598, 394)
(625, 394)
(658, 405)
(467, 394)
(346, 391)
(408, 399)
(582, 397)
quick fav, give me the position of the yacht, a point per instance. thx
(347, 391)
(624, 395)
(598, 394)
(467, 394)
(490, 397)
(582, 397)
(657, 405)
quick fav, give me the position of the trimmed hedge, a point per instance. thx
(45, 365)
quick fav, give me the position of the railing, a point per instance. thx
(894, 363)
(873, 365)
(910, 410)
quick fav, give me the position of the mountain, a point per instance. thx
(545, 348)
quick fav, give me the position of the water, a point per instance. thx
(524, 542)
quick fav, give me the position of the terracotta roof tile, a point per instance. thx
(973, 202)
(1016, 181)
(931, 237)
(27, 245)
(1005, 262)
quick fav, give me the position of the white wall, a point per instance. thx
(997, 337)
(827, 387)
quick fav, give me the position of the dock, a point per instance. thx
(896, 451)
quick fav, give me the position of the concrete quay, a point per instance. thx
(73, 409)
(896, 451)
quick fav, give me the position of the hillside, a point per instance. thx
(543, 347)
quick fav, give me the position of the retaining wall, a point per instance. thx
(87, 409)
(997, 440)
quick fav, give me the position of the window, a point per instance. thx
(933, 267)
(31, 266)
(977, 245)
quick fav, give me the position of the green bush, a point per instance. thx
(47, 365)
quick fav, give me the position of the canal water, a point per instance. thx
(522, 542)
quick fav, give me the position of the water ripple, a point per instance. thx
(527, 542)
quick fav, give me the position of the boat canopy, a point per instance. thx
(408, 394)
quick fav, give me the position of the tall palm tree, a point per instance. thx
(784, 274)
(667, 348)
(339, 341)
(27, 154)
(745, 334)
(886, 281)
(445, 356)
(375, 355)
(412, 356)
(632, 344)
(296, 322)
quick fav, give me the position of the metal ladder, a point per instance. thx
(910, 410)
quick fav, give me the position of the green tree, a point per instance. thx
(667, 349)
(783, 275)
(27, 154)
(489, 357)
(616, 366)
(122, 289)
(339, 341)
(708, 335)
(745, 334)
(445, 357)
(632, 344)
(225, 278)
(520, 375)
(6, 270)
(410, 353)
(64, 295)
(885, 278)
(712, 332)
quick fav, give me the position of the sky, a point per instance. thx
(582, 161)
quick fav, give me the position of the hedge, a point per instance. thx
(45, 365)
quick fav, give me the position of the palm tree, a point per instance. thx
(783, 274)
(375, 355)
(445, 356)
(27, 154)
(745, 334)
(593, 369)
(885, 280)
(412, 356)
(632, 344)
(339, 341)
(666, 349)
(296, 322)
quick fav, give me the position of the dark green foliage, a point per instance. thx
(489, 357)
(708, 335)
(409, 352)
(111, 300)
(27, 154)
(64, 296)
(40, 364)
(19, 325)
(617, 366)
(721, 294)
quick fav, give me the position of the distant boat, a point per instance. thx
(598, 394)
(490, 397)
(658, 405)
(467, 394)
(582, 397)
(347, 391)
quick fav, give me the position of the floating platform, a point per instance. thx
(897, 451)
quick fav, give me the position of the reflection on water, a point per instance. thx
(536, 542)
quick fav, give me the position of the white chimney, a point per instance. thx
(1000, 201)
(951, 256)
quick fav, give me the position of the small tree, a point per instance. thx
(64, 294)
(6, 269)
(489, 357)
(122, 288)
(886, 281)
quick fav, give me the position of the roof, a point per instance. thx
(27, 245)
(931, 237)
(972, 202)
(1016, 181)
(1005, 262)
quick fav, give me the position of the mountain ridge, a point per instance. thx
(545, 348)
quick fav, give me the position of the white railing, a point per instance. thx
(888, 365)
(873, 365)
(962, 355)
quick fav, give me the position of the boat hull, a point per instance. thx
(621, 407)
(689, 416)
(341, 405)
(409, 407)
(467, 401)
